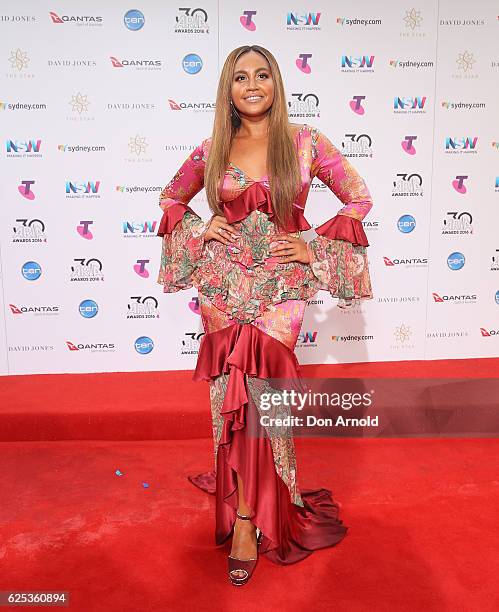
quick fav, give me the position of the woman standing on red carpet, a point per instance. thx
(254, 275)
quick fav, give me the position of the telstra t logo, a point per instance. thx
(194, 305)
(246, 20)
(458, 183)
(302, 62)
(25, 189)
(83, 230)
(408, 146)
(356, 104)
(140, 268)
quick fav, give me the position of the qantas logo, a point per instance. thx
(396, 262)
(457, 299)
(490, 332)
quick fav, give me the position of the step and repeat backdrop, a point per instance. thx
(100, 104)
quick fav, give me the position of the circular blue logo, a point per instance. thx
(134, 19)
(497, 297)
(406, 223)
(144, 345)
(31, 270)
(192, 63)
(88, 309)
(455, 261)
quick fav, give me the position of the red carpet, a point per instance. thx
(161, 405)
(422, 513)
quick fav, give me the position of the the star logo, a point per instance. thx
(413, 19)
(137, 144)
(402, 333)
(19, 59)
(465, 61)
(79, 103)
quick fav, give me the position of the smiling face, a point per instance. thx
(252, 88)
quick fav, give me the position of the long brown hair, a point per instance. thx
(282, 161)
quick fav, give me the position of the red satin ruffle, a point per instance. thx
(343, 227)
(290, 532)
(248, 348)
(171, 216)
(258, 197)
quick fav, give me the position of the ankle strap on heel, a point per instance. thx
(242, 516)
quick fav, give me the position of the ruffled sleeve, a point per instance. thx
(338, 254)
(182, 230)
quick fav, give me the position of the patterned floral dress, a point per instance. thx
(252, 308)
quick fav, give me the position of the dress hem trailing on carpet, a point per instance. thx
(290, 532)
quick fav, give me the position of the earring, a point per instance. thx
(233, 110)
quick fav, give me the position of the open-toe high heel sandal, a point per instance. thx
(243, 566)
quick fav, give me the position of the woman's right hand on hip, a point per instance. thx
(220, 230)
